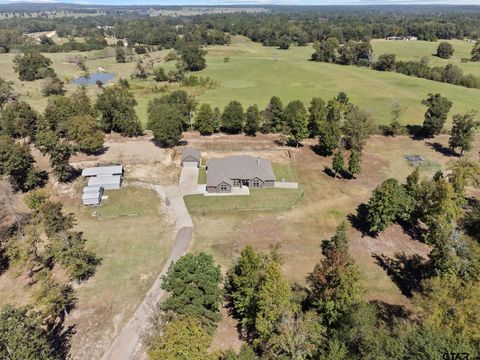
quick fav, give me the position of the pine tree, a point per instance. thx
(204, 120)
(355, 162)
(252, 120)
(232, 118)
(338, 163)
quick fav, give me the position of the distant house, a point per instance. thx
(191, 157)
(404, 38)
(238, 171)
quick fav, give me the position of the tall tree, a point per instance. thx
(445, 50)
(84, 130)
(193, 285)
(232, 118)
(60, 161)
(241, 283)
(7, 93)
(355, 162)
(181, 339)
(252, 120)
(357, 127)
(274, 116)
(204, 121)
(165, 121)
(19, 120)
(32, 66)
(193, 58)
(389, 202)
(116, 105)
(463, 132)
(23, 335)
(475, 52)
(317, 116)
(297, 121)
(338, 163)
(273, 299)
(334, 287)
(436, 114)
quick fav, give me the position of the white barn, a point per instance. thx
(108, 182)
(92, 195)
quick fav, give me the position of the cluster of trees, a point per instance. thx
(434, 207)
(37, 245)
(191, 58)
(328, 318)
(68, 124)
(350, 53)
(33, 66)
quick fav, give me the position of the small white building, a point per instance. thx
(108, 182)
(92, 195)
(103, 170)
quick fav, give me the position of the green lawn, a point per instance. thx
(284, 172)
(255, 73)
(202, 175)
(133, 251)
(415, 50)
(257, 200)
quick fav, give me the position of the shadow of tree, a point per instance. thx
(441, 149)
(390, 313)
(406, 271)
(60, 338)
(359, 221)
(412, 230)
(317, 149)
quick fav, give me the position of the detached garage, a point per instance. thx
(191, 157)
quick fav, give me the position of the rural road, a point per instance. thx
(127, 344)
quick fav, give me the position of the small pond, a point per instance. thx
(93, 78)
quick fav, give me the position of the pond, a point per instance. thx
(93, 78)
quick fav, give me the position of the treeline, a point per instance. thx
(348, 23)
(361, 54)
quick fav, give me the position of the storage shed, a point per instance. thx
(191, 157)
(103, 171)
(108, 182)
(92, 195)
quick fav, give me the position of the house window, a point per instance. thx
(255, 183)
(236, 182)
(223, 188)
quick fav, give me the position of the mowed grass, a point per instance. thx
(284, 172)
(259, 199)
(415, 50)
(202, 175)
(255, 73)
(133, 251)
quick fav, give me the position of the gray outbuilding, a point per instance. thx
(103, 171)
(191, 157)
(92, 195)
(108, 182)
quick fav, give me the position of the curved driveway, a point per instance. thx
(127, 343)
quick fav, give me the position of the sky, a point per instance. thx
(248, 2)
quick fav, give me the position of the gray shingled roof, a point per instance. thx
(191, 152)
(103, 170)
(238, 167)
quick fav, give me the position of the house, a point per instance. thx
(92, 195)
(191, 157)
(238, 171)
